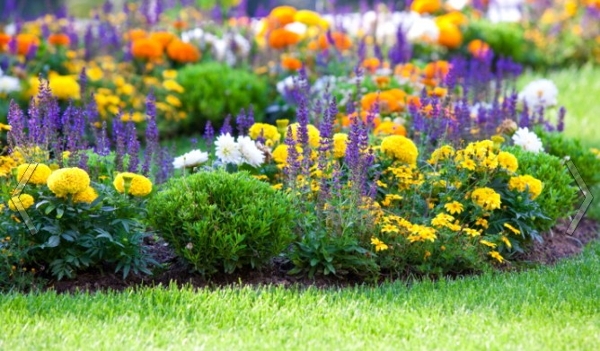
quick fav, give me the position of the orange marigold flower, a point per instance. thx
(371, 64)
(390, 128)
(281, 38)
(406, 70)
(478, 48)
(4, 40)
(426, 6)
(59, 39)
(282, 15)
(182, 52)
(25, 42)
(291, 63)
(413, 101)
(341, 41)
(164, 38)
(146, 49)
(437, 69)
(179, 25)
(450, 35)
(136, 34)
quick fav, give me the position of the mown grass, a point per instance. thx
(548, 308)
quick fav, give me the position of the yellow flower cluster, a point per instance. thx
(65, 181)
(441, 154)
(21, 202)
(269, 133)
(136, 184)
(412, 232)
(486, 198)
(33, 173)
(340, 143)
(86, 196)
(400, 148)
(522, 183)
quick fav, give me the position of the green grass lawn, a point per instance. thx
(548, 308)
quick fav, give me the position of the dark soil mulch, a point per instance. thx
(557, 245)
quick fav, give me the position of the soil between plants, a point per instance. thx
(557, 245)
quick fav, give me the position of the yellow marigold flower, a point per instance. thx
(127, 89)
(486, 198)
(280, 154)
(512, 229)
(340, 143)
(138, 185)
(169, 74)
(94, 73)
(87, 196)
(21, 202)
(508, 161)
(135, 117)
(389, 198)
(497, 256)
(487, 243)
(314, 137)
(482, 222)
(68, 181)
(400, 148)
(441, 154)
(379, 245)
(172, 85)
(268, 131)
(472, 232)
(310, 18)
(173, 100)
(506, 241)
(5, 127)
(521, 183)
(454, 207)
(65, 87)
(34, 173)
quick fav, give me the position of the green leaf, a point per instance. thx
(53, 241)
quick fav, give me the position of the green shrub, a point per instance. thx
(214, 90)
(559, 194)
(218, 221)
(561, 146)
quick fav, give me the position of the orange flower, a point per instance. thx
(164, 38)
(450, 35)
(4, 40)
(371, 64)
(438, 91)
(282, 15)
(437, 69)
(59, 39)
(182, 52)
(478, 48)
(389, 101)
(390, 128)
(291, 63)
(281, 38)
(136, 34)
(146, 49)
(341, 41)
(346, 120)
(382, 81)
(426, 6)
(25, 42)
(179, 25)
(406, 70)
(413, 101)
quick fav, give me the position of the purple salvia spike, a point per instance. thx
(103, 143)
(226, 128)
(152, 136)
(119, 140)
(133, 148)
(561, 119)
(17, 121)
(240, 121)
(209, 134)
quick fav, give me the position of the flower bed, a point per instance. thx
(391, 163)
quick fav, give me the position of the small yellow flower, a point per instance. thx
(482, 222)
(454, 207)
(138, 184)
(472, 232)
(487, 243)
(169, 74)
(497, 256)
(173, 100)
(379, 245)
(21, 202)
(512, 229)
(506, 241)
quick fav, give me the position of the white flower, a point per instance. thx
(297, 27)
(457, 4)
(192, 158)
(9, 84)
(227, 150)
(527, 140)
(251, 154)
(504, 11)
(539, 93)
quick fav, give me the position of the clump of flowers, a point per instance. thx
(132, 184)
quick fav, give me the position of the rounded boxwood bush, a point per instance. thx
(219, 222)
(214, 90)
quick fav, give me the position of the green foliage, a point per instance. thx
(559, 194)
(70, 237)
(561, 146)
(214, 90)
(219, 221)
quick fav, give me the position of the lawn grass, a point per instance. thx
(547, 308)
